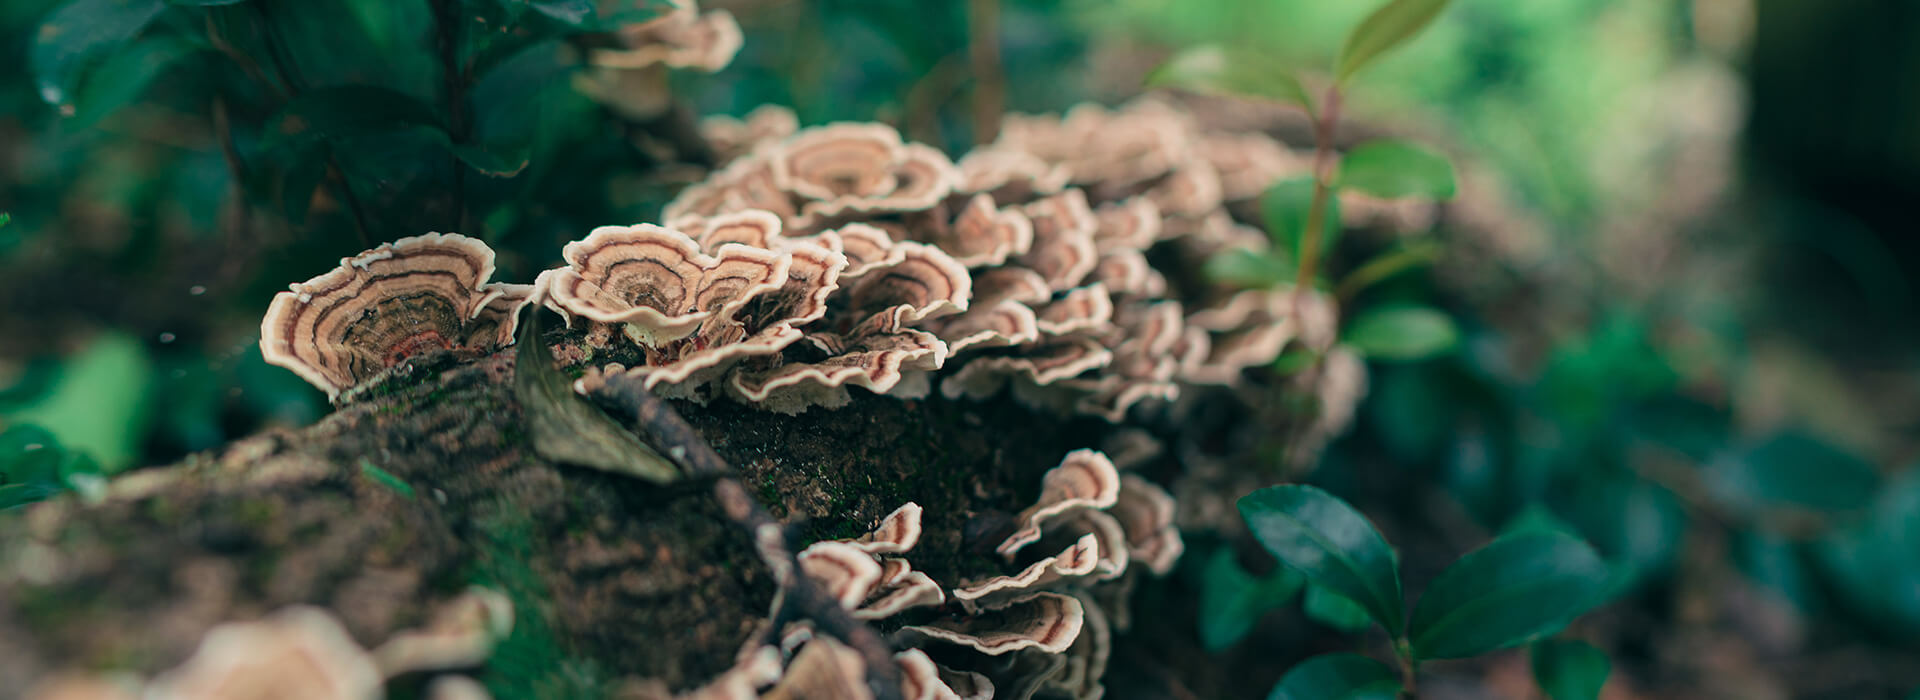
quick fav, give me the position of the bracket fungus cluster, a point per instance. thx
(305, 652)
(840, 256)
(1037, 627)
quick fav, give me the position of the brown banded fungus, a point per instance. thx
(344, 329)
(682, 37)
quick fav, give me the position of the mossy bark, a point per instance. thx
(401, 500)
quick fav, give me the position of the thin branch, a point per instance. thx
(989, 80)
(446, 21)
(660, 426)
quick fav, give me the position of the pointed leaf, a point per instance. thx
(1232, 600)
(1570, 669)
(1329, 542)
(1337, 677)
(1383, 30)
(1245, 268)
(563, 427)
(1212, 69)
(1514, 590)
(1393, 169)
(1402, 333)
(1334, 610)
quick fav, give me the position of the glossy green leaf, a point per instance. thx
(1388, 27)
(78, 35)
(1285, 208)
(1337, 677)
(1232, 600)
(1401, 333)
(1394, 169)
(1330, 543)
(1334, 610)
(1213, 69)
(1248, 269)
(1569, 669)
(1514, 590)
(1794, 470)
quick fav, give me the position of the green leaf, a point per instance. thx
(123, 76)
(79, 34)
(1330, 543)
(1384, 266)
(1337, 677)
(1875, 564)
(1213, 69)
(1285, 208)
(98, 404)
(1232, 600)
(1794, 470)
(1402, 333)
(1380, 32)
(1334, 610)
(5, 218)
(1514, 590)
(565, 428)
(1294, 360)
(1245, 268)
(1394, 169)
(571, 12)
(1569, 669)
(347, 114)
(35, 467)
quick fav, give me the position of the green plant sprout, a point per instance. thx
(1302, 214)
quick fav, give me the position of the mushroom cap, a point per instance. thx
(896, 534)
(378, 308)
(1078, 560)
(682, 38)
(1146, 512)
(1084, 479)
(843, 569)
(1081, 310)
(1063, 249)
(1041, 364)
(924, 283)
(868, 357)
(1048, 622)
(656, 282)
(298, 652)
(1003, 324)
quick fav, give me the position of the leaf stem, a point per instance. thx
(1322, 188)
(1409, 668)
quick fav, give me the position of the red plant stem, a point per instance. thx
(1322, 188)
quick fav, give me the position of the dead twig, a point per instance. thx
(660, 426)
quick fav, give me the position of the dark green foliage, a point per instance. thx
(1515, 589)
(33, 466)
(1232, 601)
(1330, 543)
(1337, 677)
(1569, 669)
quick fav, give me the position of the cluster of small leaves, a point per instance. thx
(1524, 586)
(1302, 214)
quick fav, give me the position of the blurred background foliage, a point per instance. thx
(1683, 259)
